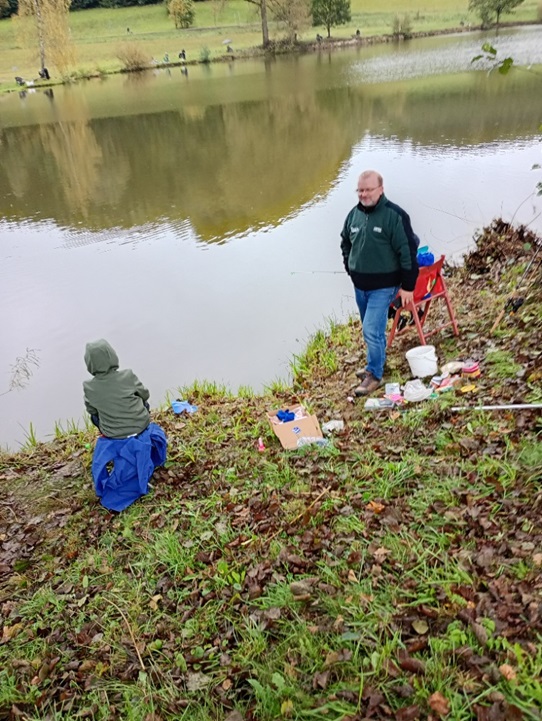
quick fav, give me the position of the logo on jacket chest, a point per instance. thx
(377, 229)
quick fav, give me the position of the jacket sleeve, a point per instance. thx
(89, 407)
(140, 389)
(346, 245)
(404, 244)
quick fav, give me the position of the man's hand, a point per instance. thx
(406, 296)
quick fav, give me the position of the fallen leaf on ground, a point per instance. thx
(507, 671)
(286, 708)
(408, 713)
(10, 631)
(197, 681)
(153, 603)
(412, 664)
(331, 658)
(439, 704)
(420, 626)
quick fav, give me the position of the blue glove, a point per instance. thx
(285, 416)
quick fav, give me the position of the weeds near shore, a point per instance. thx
(133, 57)
(22, 370)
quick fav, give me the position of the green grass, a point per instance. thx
(98, 33)
(353, 581)
(502, 364)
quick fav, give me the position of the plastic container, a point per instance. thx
(332, 426)
(392, 389)
(425, 257)
(422, 361)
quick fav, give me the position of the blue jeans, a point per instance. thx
(373, 308)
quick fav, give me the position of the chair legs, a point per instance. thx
(451, 314)
(419, 320)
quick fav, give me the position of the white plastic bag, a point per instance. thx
(332, 426)
(415, 391)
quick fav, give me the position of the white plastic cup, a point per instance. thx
(422, 361)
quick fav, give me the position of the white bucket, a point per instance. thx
(422, 361)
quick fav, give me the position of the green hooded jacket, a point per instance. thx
(116, 397)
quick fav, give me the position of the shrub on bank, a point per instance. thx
(402, 26)
(132, 57)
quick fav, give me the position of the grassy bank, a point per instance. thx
(98, 34)
(395, 573)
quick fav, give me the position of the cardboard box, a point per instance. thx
(289, 433)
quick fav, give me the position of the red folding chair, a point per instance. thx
(430, 286)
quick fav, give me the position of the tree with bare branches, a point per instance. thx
(262, 10)
(45, 23)
(293, 15)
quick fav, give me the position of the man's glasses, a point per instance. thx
(360, 191)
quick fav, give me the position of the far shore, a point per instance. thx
(276, 48)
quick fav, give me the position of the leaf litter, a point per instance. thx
(392, 575)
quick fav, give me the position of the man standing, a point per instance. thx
(379, 253)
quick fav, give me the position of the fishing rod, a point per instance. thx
(510, 406)
(312, 272)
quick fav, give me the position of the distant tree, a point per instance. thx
(330, 13)
(489, 9)
(401, 27)
(8, 8)
(294, 15)
(262, 9)
(84, 4)
(45, 23)
(182, 12)
(119, 3)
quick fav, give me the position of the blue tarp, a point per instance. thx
(134, 460)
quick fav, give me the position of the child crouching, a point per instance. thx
(116, 400)
(130, 447)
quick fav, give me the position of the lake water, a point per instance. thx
(187, 218)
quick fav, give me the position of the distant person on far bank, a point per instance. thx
(379, 254)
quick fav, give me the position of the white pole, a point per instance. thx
(511, 406)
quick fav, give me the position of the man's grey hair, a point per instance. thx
(367, 173)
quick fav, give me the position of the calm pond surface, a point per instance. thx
(182, 216)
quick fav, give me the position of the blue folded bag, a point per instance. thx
(122, 467)
(181, 406)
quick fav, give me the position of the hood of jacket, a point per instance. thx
(100, 357)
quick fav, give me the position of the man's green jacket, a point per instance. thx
(378, 247)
